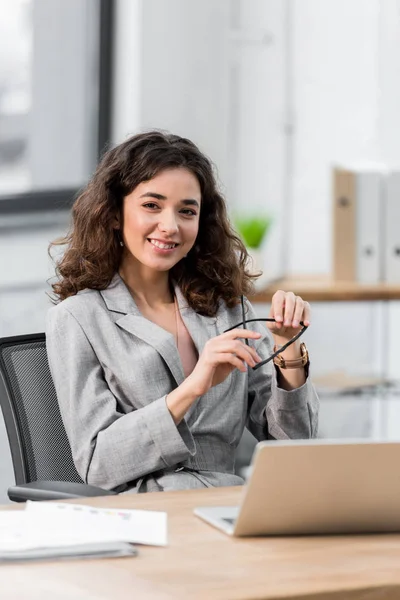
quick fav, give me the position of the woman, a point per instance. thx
(153, 391)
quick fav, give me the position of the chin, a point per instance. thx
(161, 267)
(162, 264)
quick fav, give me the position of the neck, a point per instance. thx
(152, 289)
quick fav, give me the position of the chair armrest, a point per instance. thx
(54, 490)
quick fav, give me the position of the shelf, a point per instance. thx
(326, 289)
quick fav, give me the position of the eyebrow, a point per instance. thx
(186, 201)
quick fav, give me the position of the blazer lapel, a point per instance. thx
(118, 299)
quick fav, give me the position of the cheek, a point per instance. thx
(134, 223)
(192, 230)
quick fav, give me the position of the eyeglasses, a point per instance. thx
(281, 349)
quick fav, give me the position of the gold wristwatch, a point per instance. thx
(296, 363)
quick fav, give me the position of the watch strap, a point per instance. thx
(295, 363)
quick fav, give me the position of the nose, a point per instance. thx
(168, 223)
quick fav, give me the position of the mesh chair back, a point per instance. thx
(39, 445)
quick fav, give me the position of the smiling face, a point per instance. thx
(161, 220)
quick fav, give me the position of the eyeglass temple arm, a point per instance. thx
(244, 318)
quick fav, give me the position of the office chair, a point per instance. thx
(40, 451)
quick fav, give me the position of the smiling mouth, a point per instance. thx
(161, 245)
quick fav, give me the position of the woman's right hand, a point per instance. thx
(220, 356)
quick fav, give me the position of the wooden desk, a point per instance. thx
(203, 563)
(326, 289)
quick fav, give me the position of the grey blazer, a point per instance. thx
(112, 369)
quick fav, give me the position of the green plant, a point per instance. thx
(252, 228)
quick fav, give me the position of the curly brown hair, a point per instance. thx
(215, 268)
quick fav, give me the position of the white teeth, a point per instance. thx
(163, 246)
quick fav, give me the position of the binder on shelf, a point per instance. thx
(392, 228)
(358, 225)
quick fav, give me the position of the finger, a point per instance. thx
(278, 308)
(241, 333)
(290, 303)
(307, 314)
(237, 348)
(246, 353)
(243, 351)
(233, 360)
(298, 312)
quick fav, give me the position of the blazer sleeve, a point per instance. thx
(275, 413)
(109, 448)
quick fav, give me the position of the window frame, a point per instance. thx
(62, 198)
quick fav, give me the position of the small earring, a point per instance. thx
(119, 236)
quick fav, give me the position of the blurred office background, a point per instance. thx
(274, 91)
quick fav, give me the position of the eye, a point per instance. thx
(188, 211)
(150, 205)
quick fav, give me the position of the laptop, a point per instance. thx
(304, 487)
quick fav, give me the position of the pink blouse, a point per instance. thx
(186, 347)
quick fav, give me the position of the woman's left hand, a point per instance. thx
(287, 310)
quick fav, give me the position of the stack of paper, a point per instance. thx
(53, 530)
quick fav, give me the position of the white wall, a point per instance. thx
(260, 110)
(127, 69)
(172, 66)
(346, 95)
(389, 81)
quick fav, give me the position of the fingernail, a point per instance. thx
(295, 323)
(278, 318)
(287, 323)
(258, 358)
